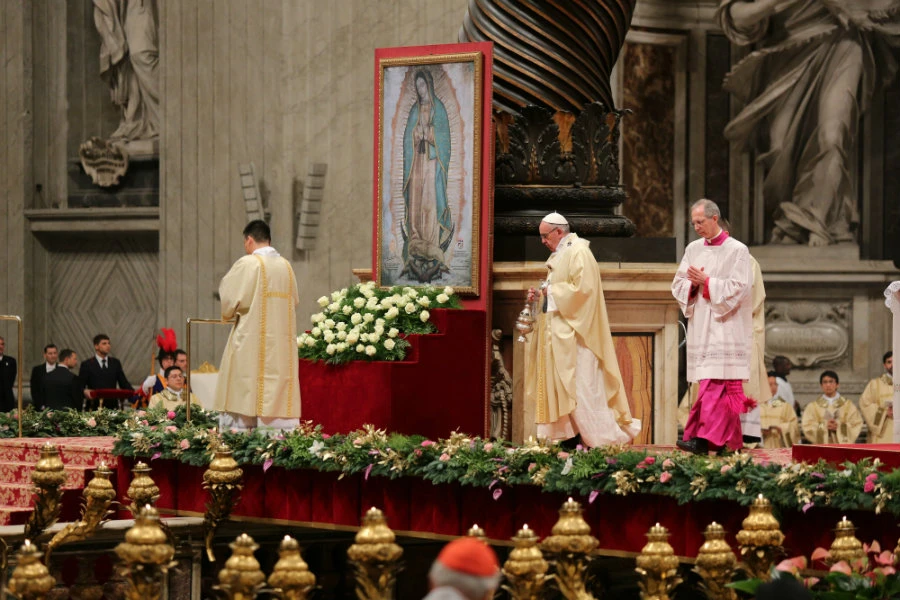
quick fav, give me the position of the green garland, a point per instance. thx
(478, 462)
(61, 423)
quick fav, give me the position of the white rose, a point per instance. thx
(368, 317)
(410, 308)
(330, 349)
(389, 344)
(424, 301)
(317, 318)
(341, 326)
(371, 350)
(393, 332)
(342, 335)
(333, 307)
(448, 290)
(359, 302)
(316, 332)
(301, 339)
(347, 309)
(310, 342)
(367, 292)
(423, 316)
(343, 291)
(386, 302)
(356, 319)
(341, 346)
(329, 323)
(360, 348)
(352, 337)
(410, 292)
(323, 301)
(443, 298)
(335, 295)
(364, 337)
(370, 285)
(392, 313)
(328, 336)
(379, 321)
(398, 299)
(372, 304)
(379, 329)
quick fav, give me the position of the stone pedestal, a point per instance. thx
(644, 321)
(825, 310)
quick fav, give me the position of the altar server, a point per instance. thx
(877, 404)
(831, 418)
(778, 419)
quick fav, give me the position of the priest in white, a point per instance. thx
(258, 383)
(713, 288)
(572, 375)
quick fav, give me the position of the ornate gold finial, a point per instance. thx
(476, 531)
(147, 556)
(223, 482)
(291, 575)
(760, 539)
(525, 570)
(570, 545)
(846, 546)
(657, 565)
(715, 564)
(242, 578)
(30, 580)
(143, 490)
(48, 476)
(98, 497)
(375, 557)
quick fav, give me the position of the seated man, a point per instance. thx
(778, 419)
(172, 397)
(877, 404)
(466, 569)
(831, 419)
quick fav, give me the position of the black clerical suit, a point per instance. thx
(93, 376)
(8, 371)
(38, 373)
(62, 389)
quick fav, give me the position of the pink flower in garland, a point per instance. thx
(444, 457)
(488, 447)
(664, 477)
(725, 469)
(170, 415)
(185, 444)
(92, 422)
(869, 485)
(668, 464)
(427, 443)
(171, 429)
(562, 454)
(650, 460)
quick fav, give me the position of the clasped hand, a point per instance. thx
(696, 276)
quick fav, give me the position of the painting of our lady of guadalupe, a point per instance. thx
(427, 234)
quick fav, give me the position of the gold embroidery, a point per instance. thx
(261, 366)
(283, 295)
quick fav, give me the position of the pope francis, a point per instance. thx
(572, 375)
(258, 383)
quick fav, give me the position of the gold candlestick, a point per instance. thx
(715, 564)
(291, 575)
(760, 539)
(570, 545)
(223, 481)
(375, 557)
(525, 570)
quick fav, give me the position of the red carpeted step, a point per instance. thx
(11, 515)
(20, 472)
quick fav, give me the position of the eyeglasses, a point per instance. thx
(545, 236)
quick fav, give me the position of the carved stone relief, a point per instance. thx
(501, 391)
(809, 333)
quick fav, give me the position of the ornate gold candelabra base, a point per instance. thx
(30, 579)
(98, 497)
(291, 576)
(48, 476)
(242, 578)
(760, 540)
(845, 546)
(570, 545)
(657, 565)
(146, 555)
(375, 558)
(715, 564)
(223, 482)
(525, 570)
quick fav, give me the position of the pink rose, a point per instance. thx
(417, 452)
(563, 455)
(668, 463)
(145, 422)
(488, 447)
(868, 487)
(650, 460)
(325, 436)
(171, 429)
(725, 469)
(170, 415)
(92, 422)
(427, 443)
(141, 413)
(664, 477)
(444, 457)
(185, 444)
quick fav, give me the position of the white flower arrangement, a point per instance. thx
(367, 323)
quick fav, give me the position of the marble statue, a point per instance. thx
(814, 71)
(129, 60)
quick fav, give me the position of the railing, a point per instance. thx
(187, 374)
(20, 362)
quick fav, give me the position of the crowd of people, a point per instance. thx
(59, 383)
